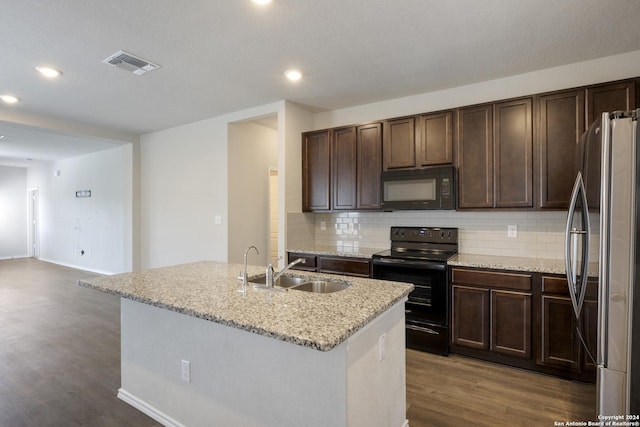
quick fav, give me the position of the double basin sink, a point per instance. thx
(305, 284)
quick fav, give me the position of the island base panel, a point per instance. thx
(242, 378)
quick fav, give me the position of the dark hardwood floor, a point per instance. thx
(60, 366)
(458, 391)
(59, 350)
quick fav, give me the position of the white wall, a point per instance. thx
(13, 212)
(97, 225)
(579, 74)
(253, 149)
(184, 184)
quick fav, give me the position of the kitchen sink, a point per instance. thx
(321, 286)
(283, 281)
(304, 284)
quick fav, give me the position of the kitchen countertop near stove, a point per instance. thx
(209, 290)
(533, 265)
(333, 251)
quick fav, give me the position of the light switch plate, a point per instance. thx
(185, 371)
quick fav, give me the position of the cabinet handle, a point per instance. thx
(422, 329)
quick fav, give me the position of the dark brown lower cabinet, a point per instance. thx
(522, 319)
(511, 323)
(558, 347)
(559, 342)
(491, 313)
(470, 325)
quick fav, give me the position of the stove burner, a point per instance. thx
(422, 243)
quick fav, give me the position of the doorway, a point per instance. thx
(33, 238)
(252, 156)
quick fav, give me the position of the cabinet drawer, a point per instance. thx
(309, 261)
(555, 285)
(341, 265)
(491, 279)
(559, 285)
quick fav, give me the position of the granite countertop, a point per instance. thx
(209, 290)
(534, 265)
(333, 251)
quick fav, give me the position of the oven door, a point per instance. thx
(427, 305)
(428, 301)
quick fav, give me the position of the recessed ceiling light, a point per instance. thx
(293, 75)
(1, 136)
(261, 1)
(9, 99)
(49, 72)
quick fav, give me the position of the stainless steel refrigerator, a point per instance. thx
(606, 190)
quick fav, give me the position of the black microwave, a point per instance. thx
(429, 188)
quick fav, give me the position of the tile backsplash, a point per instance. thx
(539, 234)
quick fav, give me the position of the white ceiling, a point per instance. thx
(220, 56)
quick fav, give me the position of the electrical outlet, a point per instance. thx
(323, 226)
(186, 371)
(382, 350)
(218, 219)
(512, 231)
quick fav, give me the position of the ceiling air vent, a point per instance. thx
(128, 62)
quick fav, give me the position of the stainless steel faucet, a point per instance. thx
(244, 277)
(272, 278)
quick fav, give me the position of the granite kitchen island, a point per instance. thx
(197, 352)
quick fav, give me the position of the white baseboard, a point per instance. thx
(14, 257)
(147, 409)
(78, 267)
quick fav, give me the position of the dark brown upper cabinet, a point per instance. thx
(418, 141)
(436, 139)
(399, 143)
(369, 166)
(344, 167)
(495, 155)
(475, 157)
(561, 122)
(341, 168)
(610, 97)
(316, 171)
(513, 153)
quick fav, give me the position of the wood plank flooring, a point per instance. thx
(60, 366)
(458, 391)
(59, 350)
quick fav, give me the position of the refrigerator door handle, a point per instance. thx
(577, 281)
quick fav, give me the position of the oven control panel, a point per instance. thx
(424, 234)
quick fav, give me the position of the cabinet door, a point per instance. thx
(561, 123)
(399, 143)
(470, 323)
(511, 323)
(475, 157)
(316, 171)
(369, 166)
(435, 146)
(610, 97)
(513, 151)
(344, 168)
(558, 344)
